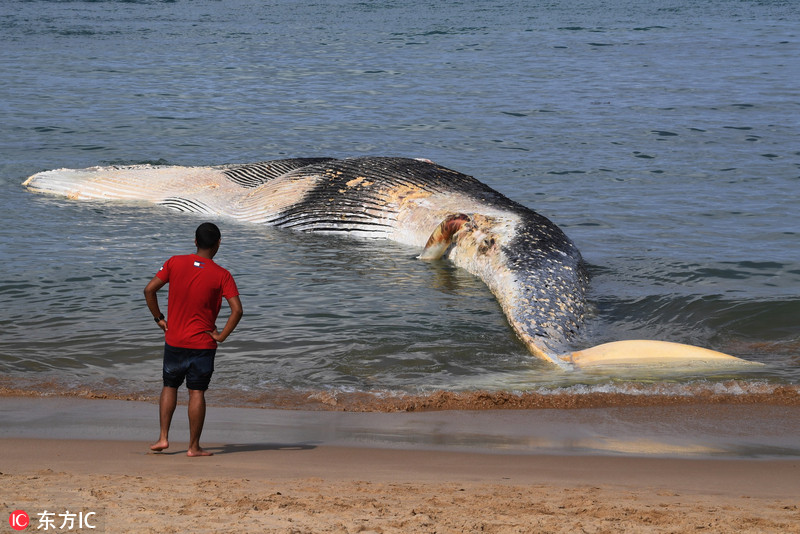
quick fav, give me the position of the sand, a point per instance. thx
(285, 471)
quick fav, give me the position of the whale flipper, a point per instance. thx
(641, 352)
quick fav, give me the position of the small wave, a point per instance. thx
(351, 400)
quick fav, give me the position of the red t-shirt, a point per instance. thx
(196, 288)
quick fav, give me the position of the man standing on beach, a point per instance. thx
(196, 288)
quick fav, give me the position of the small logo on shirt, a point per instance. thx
(199, 264)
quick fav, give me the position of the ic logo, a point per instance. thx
(19, 520)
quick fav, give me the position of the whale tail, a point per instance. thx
(632, 353)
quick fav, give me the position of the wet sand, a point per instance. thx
(670, 469)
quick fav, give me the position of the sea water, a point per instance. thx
(664, 138)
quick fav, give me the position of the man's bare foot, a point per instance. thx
(159, 445)
(199, 452)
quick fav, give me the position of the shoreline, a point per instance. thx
(623, 395)
(298, 471)
(727, 431)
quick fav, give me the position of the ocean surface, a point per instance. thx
(663, 137)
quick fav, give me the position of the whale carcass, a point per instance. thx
(534, 270)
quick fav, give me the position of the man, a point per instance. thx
(196, 288)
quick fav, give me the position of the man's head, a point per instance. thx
(207, 236)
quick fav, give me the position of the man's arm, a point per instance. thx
(152, 299)
(233, 320)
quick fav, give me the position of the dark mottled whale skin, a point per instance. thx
(531, 266)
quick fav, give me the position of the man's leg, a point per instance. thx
(197, 416)
(166, 407)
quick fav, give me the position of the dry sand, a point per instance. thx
(318, 485)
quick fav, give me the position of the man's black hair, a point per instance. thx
(207, 235)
